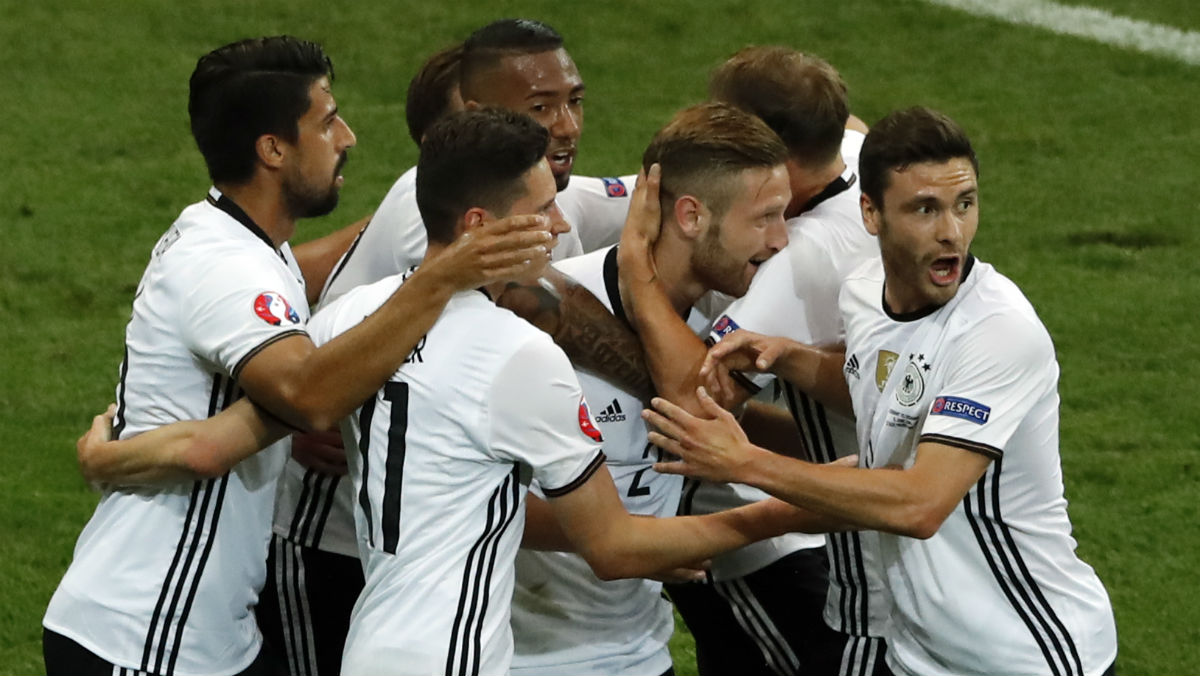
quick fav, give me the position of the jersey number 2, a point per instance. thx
(395, 394)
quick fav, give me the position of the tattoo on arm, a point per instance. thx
(592, 337)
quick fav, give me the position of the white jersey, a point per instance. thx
(596, 208)
(316, 509)
(998, 588)
(441, 461)
(566, 620)
(794, 294)
(164, 580)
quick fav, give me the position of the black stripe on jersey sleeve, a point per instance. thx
(580, 480)
(237, 370)
(973, 446)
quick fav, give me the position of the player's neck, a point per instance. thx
(673, 261)
(808, 182)
(263, 203)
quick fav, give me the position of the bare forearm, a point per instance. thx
(817, 371)
(330, 382)
(842, 498)
(181, 451)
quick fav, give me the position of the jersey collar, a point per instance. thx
(835, 187)
(925, 311)
(612, 286)
(219, 200)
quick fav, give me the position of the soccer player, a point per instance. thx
(164, 580)
(761, 611)
(953, 383)
(443, 453)
(724, 170)
(517, 64)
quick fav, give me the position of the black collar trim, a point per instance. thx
(925, 311)
(219, 200)
(836, 187)
(612, 287)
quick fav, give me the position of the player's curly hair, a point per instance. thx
(246, 89)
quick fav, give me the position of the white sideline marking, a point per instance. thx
(1088, 22)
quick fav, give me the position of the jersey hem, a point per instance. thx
(973, 446)
(262, 346)
(107, 657)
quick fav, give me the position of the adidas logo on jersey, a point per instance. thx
(852, 366)
(611, 414)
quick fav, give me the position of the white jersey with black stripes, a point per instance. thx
(165, 580)
(998, 588)
(314, 509)
(565, 619)
(441, 459)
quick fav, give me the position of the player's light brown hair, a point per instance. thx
(798, 95)
(704, 148)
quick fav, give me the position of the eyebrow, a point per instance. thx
(577, 89)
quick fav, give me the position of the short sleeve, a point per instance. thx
(539, 417)
(596, 208)
(996, 374)
(241, 305)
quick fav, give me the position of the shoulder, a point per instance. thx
(1000, 318)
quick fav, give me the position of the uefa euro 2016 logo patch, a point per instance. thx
(614, 187)
(585, 422)
(725, 326)
(273, 309)
(958, 407)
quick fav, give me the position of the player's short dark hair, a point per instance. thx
(801, 97)
(499, 39)
(907, 137)
(475, 158)
(246, 89)
(704, 147)
(430, 90)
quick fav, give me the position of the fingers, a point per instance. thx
(708, 403)
(665, 426)
(530, 223)
(848, 461)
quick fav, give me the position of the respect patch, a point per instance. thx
(958, 407)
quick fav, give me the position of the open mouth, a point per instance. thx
(945, 270)
(561, 159)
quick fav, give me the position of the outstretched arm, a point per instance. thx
(312, 388)
(912, 502)
(816, 370)
(617, 544)
(177, 452)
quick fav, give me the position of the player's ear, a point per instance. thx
(270, 150)
(870, 214)
(474, 218)
(691, 215)
(471, 105)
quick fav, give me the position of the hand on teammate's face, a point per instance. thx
(515, 248)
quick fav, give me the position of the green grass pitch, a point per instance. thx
(1088, 194)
